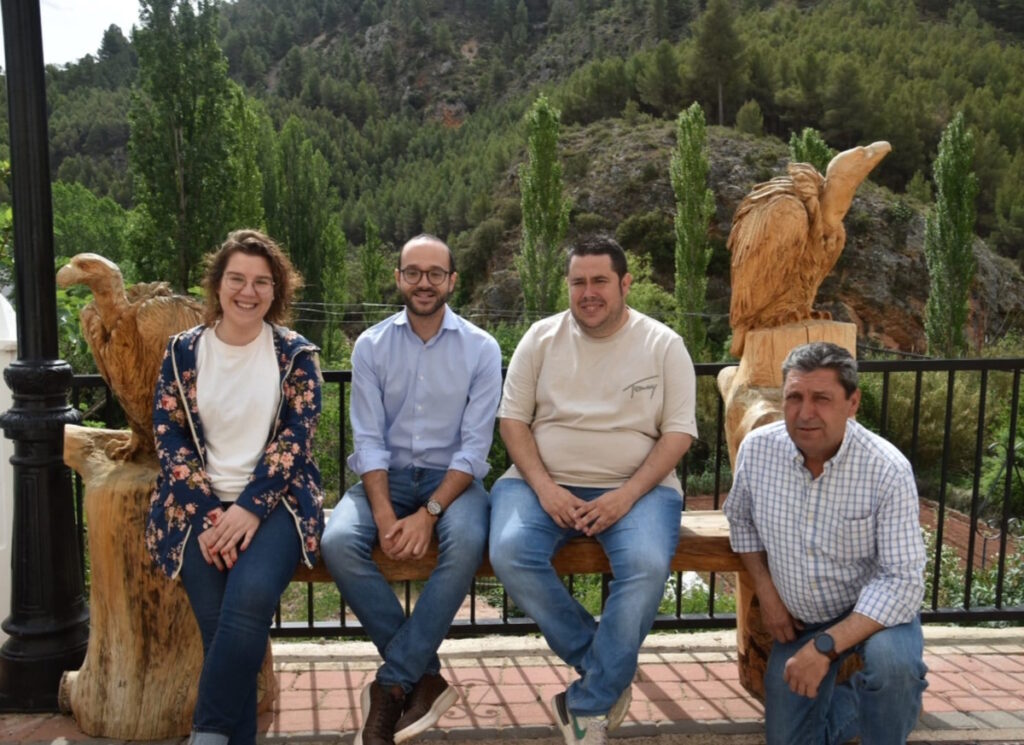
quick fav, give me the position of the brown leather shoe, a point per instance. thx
(430, 698)
(381, 709)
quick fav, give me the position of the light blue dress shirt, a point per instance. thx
(850, 538)
(424, 405)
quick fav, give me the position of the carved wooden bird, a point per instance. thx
(127, 333)
(787, 235)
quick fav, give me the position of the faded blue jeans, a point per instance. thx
(639, 547)
(407, 645)
(881, 703)
(234, 609)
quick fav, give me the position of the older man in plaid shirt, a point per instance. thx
(824, 515)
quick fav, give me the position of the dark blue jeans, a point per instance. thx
(234, 609)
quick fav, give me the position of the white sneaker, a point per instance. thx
(579, 730)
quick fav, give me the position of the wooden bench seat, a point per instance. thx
(703, 547)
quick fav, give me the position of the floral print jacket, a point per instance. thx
(285, 474)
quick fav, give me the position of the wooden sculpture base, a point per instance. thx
(141, 670)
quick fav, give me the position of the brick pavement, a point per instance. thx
(686, 688)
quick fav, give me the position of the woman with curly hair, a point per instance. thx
(238, 501)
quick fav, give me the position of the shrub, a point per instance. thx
(899, 427)
(749, 119)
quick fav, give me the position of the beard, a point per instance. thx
(440, 298)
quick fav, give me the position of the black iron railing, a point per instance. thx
(956, 420)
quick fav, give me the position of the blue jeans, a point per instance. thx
(234, 609)
(639, 547)
(407, 645)
(881, 702)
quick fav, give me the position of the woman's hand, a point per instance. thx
(206, 540)
(231, 533)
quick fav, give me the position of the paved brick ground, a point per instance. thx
(686, 691)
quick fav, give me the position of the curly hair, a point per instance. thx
(287, 281)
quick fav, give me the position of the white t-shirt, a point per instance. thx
(238, 389)
(596, 407)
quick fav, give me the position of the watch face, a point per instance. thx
(434, 507)
(824, 643)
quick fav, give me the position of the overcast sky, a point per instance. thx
(74, 28)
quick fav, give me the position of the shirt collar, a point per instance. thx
(449, 322)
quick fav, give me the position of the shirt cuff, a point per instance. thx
(745, 541)
(462, 461)
(884, 608)
(364, 461)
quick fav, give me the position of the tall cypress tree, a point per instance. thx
(695, 205)
(949, 234)
(301, 208)
(545, 211)
(186, 148)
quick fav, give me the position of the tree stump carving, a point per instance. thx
(141, 670)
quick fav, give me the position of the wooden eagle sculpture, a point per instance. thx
(787, 235)
(127, 333)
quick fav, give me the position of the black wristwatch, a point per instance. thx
(824, 643)
(434, 507)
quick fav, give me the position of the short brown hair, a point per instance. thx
(287, 281)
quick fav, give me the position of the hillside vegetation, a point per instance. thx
(415, 108)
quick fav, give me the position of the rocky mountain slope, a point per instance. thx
(614, 170)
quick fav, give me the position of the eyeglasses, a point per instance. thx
(237, 283)
(434, 276)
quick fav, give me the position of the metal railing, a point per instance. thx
(955, 420)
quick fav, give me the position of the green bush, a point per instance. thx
(749, 119)
(931, 431)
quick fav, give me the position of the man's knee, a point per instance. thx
(344, 542)
(893, 657)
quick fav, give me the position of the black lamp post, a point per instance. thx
(49, 621)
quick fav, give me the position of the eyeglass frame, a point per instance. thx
(261, 285)
(420, 274)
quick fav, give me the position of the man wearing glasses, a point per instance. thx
(425, 389)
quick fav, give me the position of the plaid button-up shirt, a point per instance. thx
(850, 538)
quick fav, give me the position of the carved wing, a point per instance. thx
(96, 335)
(767, 243)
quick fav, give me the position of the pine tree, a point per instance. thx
(545, 211)
(949, 235)
(185, 148)
(717, 53)
(373, 267)
(658, 82)
(695, 205)
(657, 19)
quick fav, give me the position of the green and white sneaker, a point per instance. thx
(579, 730)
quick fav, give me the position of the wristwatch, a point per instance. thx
(434, 507)
(824, 643)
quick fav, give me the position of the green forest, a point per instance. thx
(344, 127)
